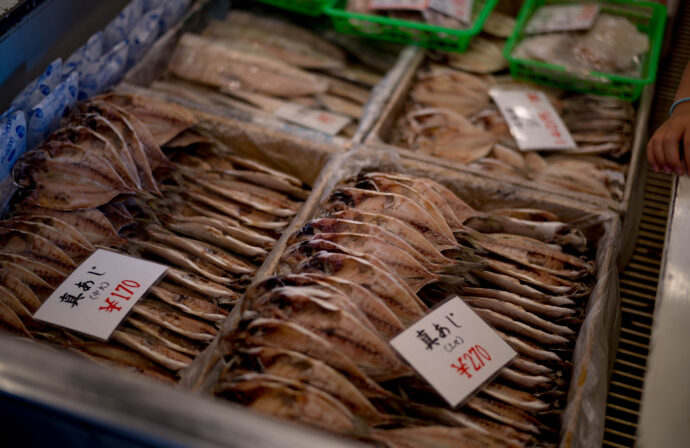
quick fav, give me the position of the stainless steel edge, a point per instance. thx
(630, 207)
(112, 401)
(384, 91)
(665, 412)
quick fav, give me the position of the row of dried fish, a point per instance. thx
(271, 68)
(133, 175)
(312, 342)
(449, 114)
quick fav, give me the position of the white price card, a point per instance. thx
(319, 120)
(533, 121)
(553, 18)
(454, 350)
(459, 9)
(414, 5)
(95, 298)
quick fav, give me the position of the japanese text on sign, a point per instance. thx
(532, 120)
(319, 120)
(552, 18)
(96, 297)
(454, 350)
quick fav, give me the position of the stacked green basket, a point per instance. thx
(308, 7)
(650, 18)
(408, 32)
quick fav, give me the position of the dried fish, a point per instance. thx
(285, 335)
(162, 355)
(289, 399)
(30, 245)
(371, 353)
(406, 306)
(187, 302)
(167, 317)
(203, 60)
(298, 367)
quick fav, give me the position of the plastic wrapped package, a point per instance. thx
(172, 13)
(39, 88)
(89, 53)
(613, 45)
(143, 35)
(120, 27)
(583, 417)
(45, 116)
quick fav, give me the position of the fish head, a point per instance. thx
(340, 200)
(307, 231)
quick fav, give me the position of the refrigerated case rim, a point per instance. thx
(111, 401)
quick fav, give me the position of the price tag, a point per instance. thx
(549, 19)
(99, 293)
(533, 122)
(319, 120)
(454, 350)
(414, 5)
(459, 9)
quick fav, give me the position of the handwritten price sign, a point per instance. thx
(454, 350)
(95, 298)
(533, 121)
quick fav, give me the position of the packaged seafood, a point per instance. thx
(613, 45)
(611, 48)
(282, 348)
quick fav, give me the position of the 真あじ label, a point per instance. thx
(95, 298)
(454, 350)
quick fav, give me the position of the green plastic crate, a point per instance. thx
(308, 7)
(408, 32)
(650, 19)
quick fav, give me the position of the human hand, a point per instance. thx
(663, 149)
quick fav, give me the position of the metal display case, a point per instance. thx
(83, 403)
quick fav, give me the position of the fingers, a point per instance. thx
(686, 151)
(651, 155)
(658, 150)
(670, 143)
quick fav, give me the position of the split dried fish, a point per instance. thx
(203, 60)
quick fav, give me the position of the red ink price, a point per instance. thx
(471, 361)
(113, 304)
(550, 125)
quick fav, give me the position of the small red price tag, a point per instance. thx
(532, 120)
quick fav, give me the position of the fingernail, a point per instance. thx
(667, 170)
